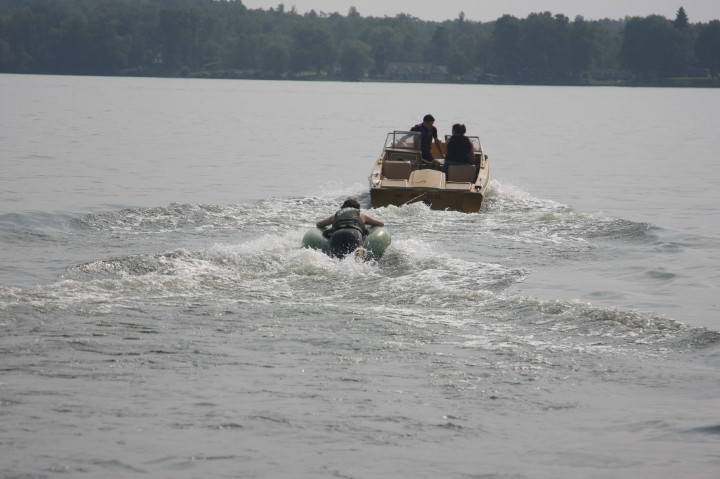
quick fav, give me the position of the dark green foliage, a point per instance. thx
(681, 19)
(506, 47)
(355, 59)
(312, 48)
(707, 47)
(224, 38)
(653, 47)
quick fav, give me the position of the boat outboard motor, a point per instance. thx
(345, 241)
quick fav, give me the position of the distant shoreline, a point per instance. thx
(209, 39)
(681, 82)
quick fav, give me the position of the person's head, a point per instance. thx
(428, 120)
(351, 203)
(458, 129)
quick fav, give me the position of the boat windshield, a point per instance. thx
(405, 140)
(475, 140)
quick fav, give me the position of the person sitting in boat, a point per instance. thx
(460, 150)
(348, 228)
(428, 133)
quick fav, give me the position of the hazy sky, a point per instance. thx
(488, 10)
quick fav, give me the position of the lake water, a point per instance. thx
(160, 319)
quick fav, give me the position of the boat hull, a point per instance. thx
(466, 202)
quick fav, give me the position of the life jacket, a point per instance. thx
(348, 218)
(459, 149)
(426, 136)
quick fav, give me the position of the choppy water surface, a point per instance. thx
(197, 339)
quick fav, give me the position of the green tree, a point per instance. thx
(275, 58)
(440, 46)
(243, 41)
(384, 44)
(681, 19)
(707, 47)
(355, 59)
(107, 48)
(583, 45)
(178, 28)
(312, 48)
(652, 47)
(112, 37)
(238, 53)
(31, 32)
(7, 57)
(481, 49)
(609, 40)
(507, 52)
(68, 47)
(461, 51)
(458, 64)
(545, 45)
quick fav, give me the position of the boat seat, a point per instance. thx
(403, 156)
(394, 183)
(397, 170)
(462, 173)
(427, 179)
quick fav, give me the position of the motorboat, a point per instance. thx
(399, 178)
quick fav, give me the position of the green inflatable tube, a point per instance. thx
(374, 244)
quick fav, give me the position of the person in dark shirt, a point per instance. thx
(428, 133)
(460, 150)
(348, 228)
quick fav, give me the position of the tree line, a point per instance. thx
(223, 38)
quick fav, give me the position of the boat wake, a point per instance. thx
(443, 270)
